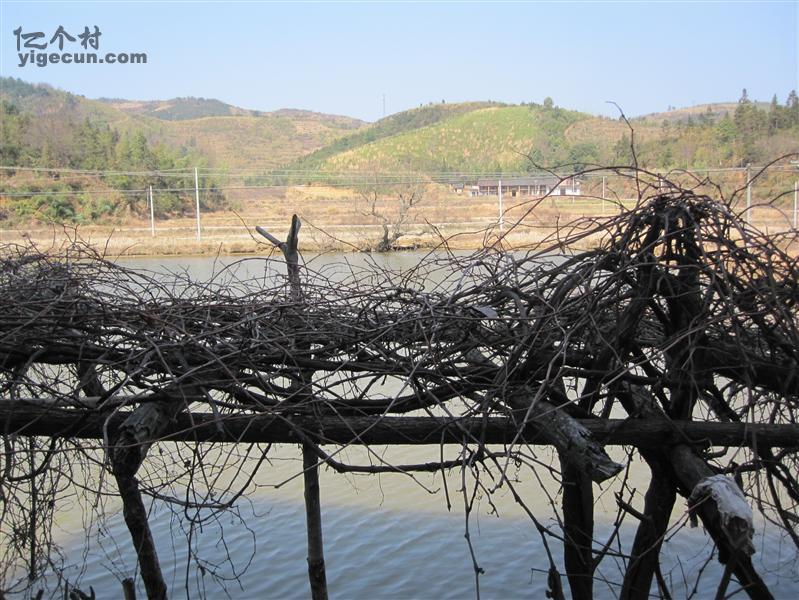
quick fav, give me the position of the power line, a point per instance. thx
(160, 172)
(316, 173)
(192, 189)
(335, 179)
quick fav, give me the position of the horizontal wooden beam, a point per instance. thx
(28, 420)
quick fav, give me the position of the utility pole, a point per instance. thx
(152, 214)
(501, 215)
(197, 201)
(748, 193)
(795, 164)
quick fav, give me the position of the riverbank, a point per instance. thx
(244, 241)
(350, 224)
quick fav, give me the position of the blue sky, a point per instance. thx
(342, 57)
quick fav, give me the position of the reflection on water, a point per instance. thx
(386, 536)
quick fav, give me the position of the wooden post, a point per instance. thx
(645, 554)
(129, 589)
(313, 515)
(317, 576)
(688, 470)
(137, 433)
(135, 514)
(578, 530)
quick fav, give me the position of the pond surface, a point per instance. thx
(386, 536)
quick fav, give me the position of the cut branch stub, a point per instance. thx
(137, 433)
(290, 253)
(573, 441)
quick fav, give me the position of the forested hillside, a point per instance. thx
(520, 138)
(45, 128)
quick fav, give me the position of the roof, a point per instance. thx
(549, 180)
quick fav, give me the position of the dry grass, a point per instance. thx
(338, 219)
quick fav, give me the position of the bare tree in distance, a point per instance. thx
(394, 207)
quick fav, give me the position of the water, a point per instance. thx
(386, 536)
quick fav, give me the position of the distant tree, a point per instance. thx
(12, 125)
(744, 99)
(750, 123)
(548, 103)
(665, 159)
(774, 114)
(792, 108)
(394, 210)
(725, 130)
(583, 154)
(622, 152)
(706, 118)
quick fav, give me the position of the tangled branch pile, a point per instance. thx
(682, 315)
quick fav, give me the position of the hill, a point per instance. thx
(471, 136)
(224, 135)
(45, 127)
(514, 138)
(179, 109)
(713, 112)
(484, 138)
(398, 123)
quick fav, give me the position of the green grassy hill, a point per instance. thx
(514, 138)
(492, 138)
(402, 122)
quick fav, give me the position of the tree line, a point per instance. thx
(49, 141)
(753, 133)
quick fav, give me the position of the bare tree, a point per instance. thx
(393, 206)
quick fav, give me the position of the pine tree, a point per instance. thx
(774, 114)
(792, 108)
